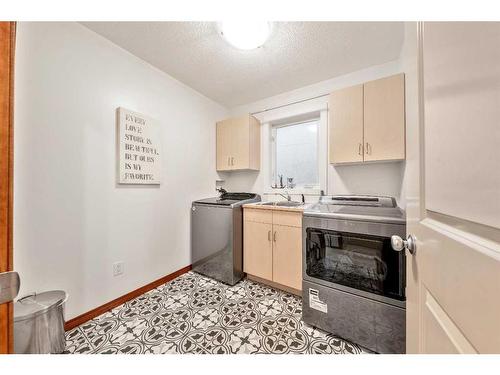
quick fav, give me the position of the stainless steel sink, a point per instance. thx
(283, 203)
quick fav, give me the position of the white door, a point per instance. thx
(453, 189)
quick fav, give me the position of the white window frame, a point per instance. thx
(302, 111)
(313, 189)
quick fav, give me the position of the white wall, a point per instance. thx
(377, 178)
(71, 219)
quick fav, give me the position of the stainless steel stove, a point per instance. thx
(353, 281)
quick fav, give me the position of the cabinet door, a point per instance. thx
(384, 132)
(258, 249)
(224, 145)
(346, 125)
(240, 151)
(287, 256)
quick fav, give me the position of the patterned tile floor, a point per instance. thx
(195, 314)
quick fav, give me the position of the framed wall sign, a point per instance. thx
(139, 156)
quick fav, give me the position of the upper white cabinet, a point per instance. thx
(346, 125)
(238, 144)
(367, 122)
(384, 118)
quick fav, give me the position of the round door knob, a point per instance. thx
(399, 244)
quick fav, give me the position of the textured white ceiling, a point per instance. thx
(297, 54)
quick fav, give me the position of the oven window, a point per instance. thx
(358, 261)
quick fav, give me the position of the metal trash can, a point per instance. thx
(39, 323)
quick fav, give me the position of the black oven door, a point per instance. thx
(358, 261)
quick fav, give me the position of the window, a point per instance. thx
(295, 154)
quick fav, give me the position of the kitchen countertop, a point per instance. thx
(263, 206)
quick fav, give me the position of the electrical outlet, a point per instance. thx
(118, 268)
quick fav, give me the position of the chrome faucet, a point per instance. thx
(281, 181)
(287, 196)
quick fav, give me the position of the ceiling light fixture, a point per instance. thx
(245, 34)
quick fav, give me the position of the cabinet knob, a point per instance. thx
(274, 237)
(360, 149)
(269, 236)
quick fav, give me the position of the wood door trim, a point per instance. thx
(7, 47)
(85, 317)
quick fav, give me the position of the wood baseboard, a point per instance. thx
(85, 317)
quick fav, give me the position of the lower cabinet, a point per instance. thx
(258, 249)
(273, 246)
(287, 256)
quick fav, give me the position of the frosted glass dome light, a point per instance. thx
(245, 34)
